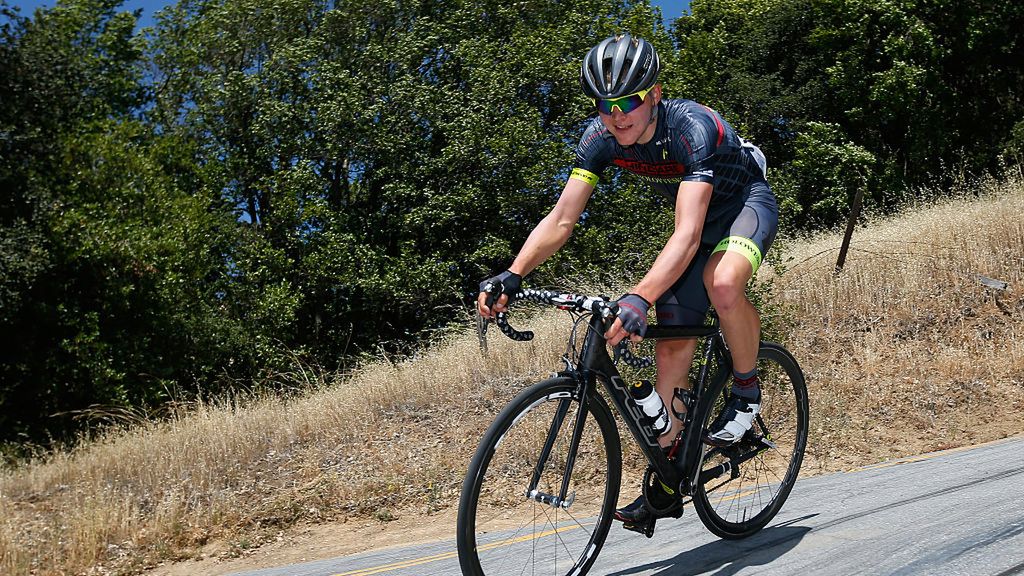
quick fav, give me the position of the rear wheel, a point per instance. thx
(743, 486)
(510, 521)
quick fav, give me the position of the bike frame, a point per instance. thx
(596, 365)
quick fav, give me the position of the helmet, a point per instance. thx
(618, 66)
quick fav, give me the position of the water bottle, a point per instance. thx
(652, 405)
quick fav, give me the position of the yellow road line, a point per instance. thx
(736, 496)
(528, 537)
(398, 565)
(446, 555)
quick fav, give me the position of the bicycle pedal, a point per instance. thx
(646, 528)
(674, 513)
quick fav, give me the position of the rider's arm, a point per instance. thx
(554, 230)
(691, 209)
(548, 236)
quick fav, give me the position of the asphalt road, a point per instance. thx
(957, 512)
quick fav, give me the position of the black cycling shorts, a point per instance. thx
(750, 233)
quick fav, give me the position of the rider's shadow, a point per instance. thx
(729, 556)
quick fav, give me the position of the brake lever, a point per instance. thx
(493, 292)
(609, 313)
(502, 321)
(481, 331)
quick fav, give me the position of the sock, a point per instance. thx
(746, 385)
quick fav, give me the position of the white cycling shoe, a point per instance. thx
(736, 418)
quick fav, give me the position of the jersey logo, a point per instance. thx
(668, 169)
(662, 142)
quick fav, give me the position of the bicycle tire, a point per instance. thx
(500, 529)
(746, 497)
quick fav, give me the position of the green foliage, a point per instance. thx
(817, 188)
(65, 75)
(926, 88)
(386, 156)
(110, 275)
(250, 182)
(1013, 149)
(291, 178)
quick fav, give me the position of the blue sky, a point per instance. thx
(670, 9)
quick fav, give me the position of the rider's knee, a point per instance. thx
(726, 288)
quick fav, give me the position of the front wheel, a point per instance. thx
(743, 486)
(520, 513)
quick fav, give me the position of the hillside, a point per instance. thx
(906, 351)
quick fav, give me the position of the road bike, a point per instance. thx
(541, 489)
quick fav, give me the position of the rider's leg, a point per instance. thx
(733, 262)
(673, 359)
(684, 303)
(725, 277)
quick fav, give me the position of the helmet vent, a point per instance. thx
(619, 65)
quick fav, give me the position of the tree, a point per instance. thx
(110, 272)
(928, 89)
(817, 189)
(256, 180)
(384, 155)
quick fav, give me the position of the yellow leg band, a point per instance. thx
(741, 245)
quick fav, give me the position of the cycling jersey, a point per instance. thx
(691, 143)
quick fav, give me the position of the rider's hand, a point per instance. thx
(505, 286)
(631, 320)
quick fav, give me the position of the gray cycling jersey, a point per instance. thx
(692, 143)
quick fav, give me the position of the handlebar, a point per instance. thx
(599, 305)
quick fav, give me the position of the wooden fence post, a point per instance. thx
(858, 199)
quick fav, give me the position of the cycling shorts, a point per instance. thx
(750, 233)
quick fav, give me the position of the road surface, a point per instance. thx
(957, 512)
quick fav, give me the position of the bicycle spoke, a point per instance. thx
(759, 476)
(529, 445)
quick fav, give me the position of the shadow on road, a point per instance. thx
(725, 557)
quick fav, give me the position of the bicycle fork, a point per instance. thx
(562, 499)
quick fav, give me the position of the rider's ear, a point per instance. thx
(657, 93)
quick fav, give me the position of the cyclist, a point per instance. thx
(725, 220)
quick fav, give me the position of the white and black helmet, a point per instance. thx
(618, 66)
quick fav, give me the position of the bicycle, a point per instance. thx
(541, 489)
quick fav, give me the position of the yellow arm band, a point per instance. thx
(584, 175)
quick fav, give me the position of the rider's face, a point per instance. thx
(637, 125)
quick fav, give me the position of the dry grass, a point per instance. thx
(389, 436)
(905, 351)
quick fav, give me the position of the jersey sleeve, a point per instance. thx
(592, 154)
(697, 144)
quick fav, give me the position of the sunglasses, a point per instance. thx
(626, 104)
